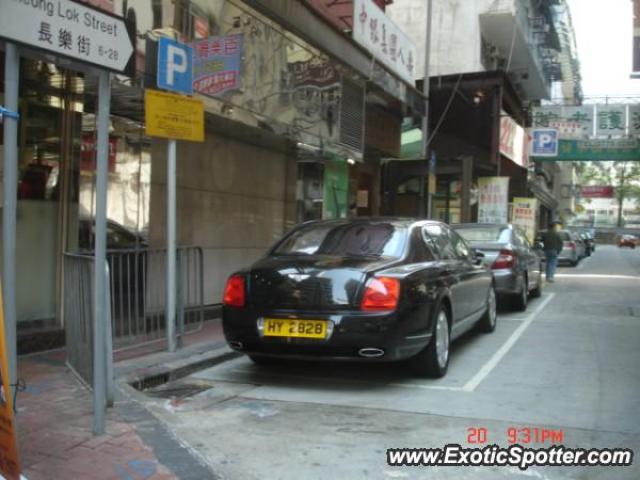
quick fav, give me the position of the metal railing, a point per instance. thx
(137, 285)
(78, 308)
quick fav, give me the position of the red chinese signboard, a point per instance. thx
(339, 13)
(597, 191)
(88, 152)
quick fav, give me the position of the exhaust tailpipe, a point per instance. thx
(236, 345)
(371, 352)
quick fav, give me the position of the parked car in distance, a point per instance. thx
(517, 267)
(372, 290)
(628, 241)
(589, 242)
(572, 250)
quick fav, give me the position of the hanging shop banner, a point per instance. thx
(590, 150)
(513, 141)
(570, 122)
(336, 189)
(217, 64)
(384, 39)
(524, 216)
(597, 191)
(9, 465)
(493, 199)
(168, 115)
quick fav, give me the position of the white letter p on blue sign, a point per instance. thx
(545, 142)
(175, 66)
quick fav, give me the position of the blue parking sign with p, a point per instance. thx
(544, 142)
(175, 66)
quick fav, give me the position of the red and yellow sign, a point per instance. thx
(9, 465)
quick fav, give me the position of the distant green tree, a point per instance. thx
(624, 176)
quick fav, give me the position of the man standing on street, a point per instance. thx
(552, 242)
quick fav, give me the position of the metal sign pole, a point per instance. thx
(425, 120)
(100, 297)
(170, 313)
(10, 187)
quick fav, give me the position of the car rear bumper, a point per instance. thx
(568, 256)
(395, 336)
(506, 281)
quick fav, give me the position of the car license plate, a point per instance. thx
(281, 327)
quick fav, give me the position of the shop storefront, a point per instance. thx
(56, 187)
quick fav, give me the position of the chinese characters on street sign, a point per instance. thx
(588, 121)
(493, 199)
(610, 120)
(172, 116)
(68, 28)
(379, 35)
(570, 122)
(217, 63)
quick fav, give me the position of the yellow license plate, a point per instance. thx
(280, 327)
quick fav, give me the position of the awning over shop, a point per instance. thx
(411, 143)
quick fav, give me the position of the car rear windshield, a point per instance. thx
(566, 236)
(489, 233)
(345, 239)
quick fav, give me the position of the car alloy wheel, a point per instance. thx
(442, 339)
(487, 323)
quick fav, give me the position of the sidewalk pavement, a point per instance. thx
(55, 419)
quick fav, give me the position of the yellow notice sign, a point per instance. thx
(168, 115)
(9, 465)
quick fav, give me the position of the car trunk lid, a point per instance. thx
(311, 282)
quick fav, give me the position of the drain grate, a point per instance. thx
(178, 390)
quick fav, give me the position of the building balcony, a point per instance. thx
(524, 45)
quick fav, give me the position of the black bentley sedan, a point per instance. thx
(375, 289)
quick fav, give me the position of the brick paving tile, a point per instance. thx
(55, 435)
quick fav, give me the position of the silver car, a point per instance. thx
(516, 265)
(573, 248)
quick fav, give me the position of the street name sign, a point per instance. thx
(68, 28)
(175, 66)
(172, 116)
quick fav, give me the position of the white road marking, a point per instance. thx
(486, 369)
(597, 275)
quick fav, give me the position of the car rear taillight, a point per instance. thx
(381, 293)
(571, 245)
(234, 291)
(506, 259)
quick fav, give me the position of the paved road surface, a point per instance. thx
(570, 365)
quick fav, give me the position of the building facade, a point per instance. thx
(490, 61)
(296, 132)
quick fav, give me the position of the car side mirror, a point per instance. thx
(478, 257)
